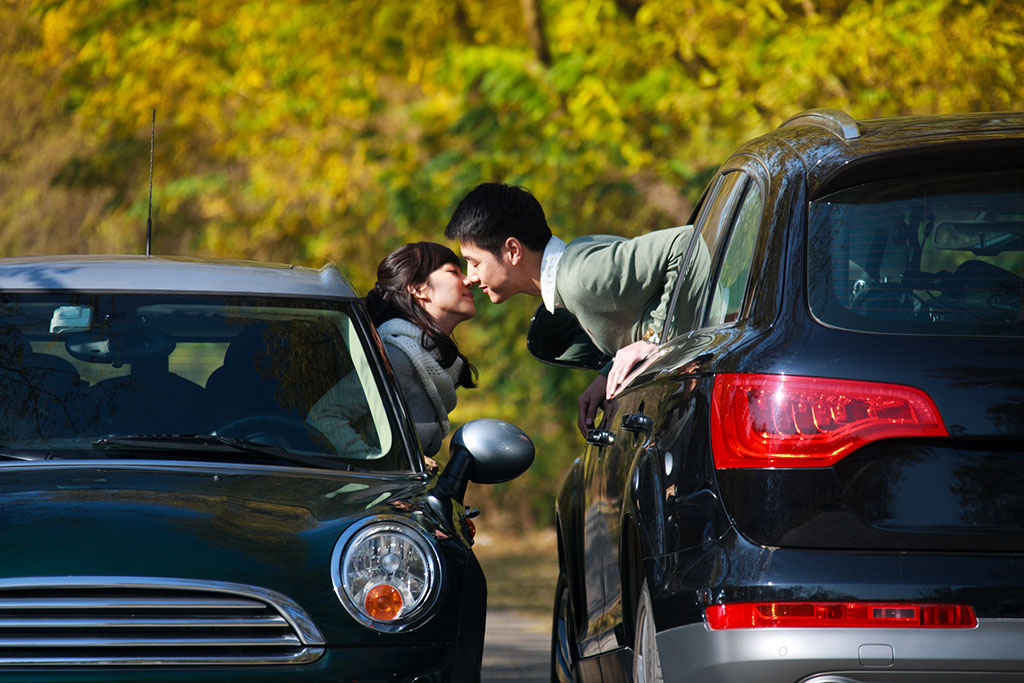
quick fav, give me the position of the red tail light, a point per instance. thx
(839, 615)
(793, 421)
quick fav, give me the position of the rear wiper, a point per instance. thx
(221, 444)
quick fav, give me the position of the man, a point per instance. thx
(618, 289)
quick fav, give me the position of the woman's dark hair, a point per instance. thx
(406, 267)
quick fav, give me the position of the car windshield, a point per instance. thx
(934, 255)
(223, 378)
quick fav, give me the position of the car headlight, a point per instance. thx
(386, 573)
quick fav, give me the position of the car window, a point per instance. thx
(731, 282)
(76, 368)
(712, 226)
(939, 254)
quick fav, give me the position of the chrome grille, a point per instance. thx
(104, 621)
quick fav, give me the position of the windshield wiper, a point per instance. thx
(220, 444)
(19, 456)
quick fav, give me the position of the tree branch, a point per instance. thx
(533, 22)
(629, 7)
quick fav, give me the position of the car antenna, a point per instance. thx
(149, 216)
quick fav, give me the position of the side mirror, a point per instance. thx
(484, 451)
(557, 339)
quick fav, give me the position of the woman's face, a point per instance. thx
(447, 296)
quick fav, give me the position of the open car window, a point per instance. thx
(80, 368)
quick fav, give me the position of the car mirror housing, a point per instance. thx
(118, 346)
(485, 451)
(557, 339)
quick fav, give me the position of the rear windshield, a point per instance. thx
(106, 375)
(933, 255)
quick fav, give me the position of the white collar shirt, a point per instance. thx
(548, 271)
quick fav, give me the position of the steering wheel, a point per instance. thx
(887, 302)
(276, 430)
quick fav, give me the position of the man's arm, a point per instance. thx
(590, 401)
(672, 264)
(611, 283)
(625, 360)
(603, 273)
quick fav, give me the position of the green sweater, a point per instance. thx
(620, 289)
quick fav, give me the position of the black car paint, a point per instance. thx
(700, 536)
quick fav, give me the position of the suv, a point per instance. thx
(822, 479)
(207, 473)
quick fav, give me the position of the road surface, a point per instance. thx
(516, 648)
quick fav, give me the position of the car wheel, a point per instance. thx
(646, 660)
(563, 636)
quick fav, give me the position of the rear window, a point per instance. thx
(933, 255)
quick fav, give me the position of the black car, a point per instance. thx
(822, 480)
(208, 473)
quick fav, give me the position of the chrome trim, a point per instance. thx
(283, 641)
(137, 622)
(422, 613)
(637, 423)
(299, 640)
(600, 438)
(837, 122)
(124, 603)
(304, 656)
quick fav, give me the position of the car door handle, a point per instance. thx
(600, 437)
(637, 423)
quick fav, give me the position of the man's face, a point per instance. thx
(489, 272)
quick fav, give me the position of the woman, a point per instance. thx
(420, 296)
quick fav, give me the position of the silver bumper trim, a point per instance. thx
(147, 621)
(990, 652)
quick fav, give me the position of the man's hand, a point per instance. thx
(589, 402)
(625, 360)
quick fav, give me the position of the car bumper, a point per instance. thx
(367, 665)
(990, 652)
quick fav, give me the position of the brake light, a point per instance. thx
(839, 615)
(793, 421)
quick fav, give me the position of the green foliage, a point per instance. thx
(326, 131)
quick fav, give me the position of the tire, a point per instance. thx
(564, 662)
(646, 659)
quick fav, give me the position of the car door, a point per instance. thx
(622, 435)
(728, 232)
(596, 539)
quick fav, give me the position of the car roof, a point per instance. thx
(171, 274)
(827, 140)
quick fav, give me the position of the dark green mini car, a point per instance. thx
(207, 473)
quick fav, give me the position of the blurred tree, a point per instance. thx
(317, 131)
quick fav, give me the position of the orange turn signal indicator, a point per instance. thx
(383, 602)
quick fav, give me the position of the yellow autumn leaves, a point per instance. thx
(335, 131)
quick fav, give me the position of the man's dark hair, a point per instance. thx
(493, 212)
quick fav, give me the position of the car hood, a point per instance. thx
(62, 518)
(271, 527)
